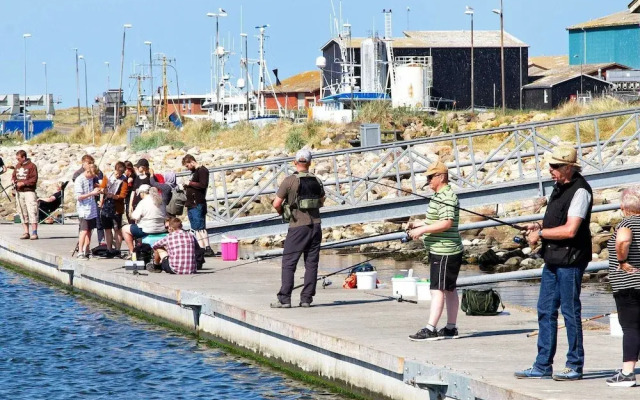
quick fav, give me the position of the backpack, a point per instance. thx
(308, 197)
(481, 302)
(176, 204)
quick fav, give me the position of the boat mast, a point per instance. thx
(262, 72)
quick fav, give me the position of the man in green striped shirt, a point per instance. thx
(442, 241)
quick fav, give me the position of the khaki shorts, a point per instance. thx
(27, 206)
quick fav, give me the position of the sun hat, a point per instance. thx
(563, 155)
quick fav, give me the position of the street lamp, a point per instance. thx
(77, 84)
(24, 109)
(469, 12)
(500, 12)
(153, 114)
(246, 73)
(108, 75)
(218, 15)
(119, 97)
(581, 75)
(46, 89)
(86, 98)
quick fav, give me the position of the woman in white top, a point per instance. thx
(149, 215)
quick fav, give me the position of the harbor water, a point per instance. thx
(59, 346)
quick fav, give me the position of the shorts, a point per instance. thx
(87, 224)
(197, 217)
(444, 271)
(136, 232)
(27, 205)
(111, 223)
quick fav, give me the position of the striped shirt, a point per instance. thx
(87, 208)
(444, 206)
(618, 278)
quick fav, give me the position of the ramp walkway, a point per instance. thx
(492, 166)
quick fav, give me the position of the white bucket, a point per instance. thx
(405, 287)
(423, 288)
(366, 280)
(614, 325)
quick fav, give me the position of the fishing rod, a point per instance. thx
(294, 252)
(518, 227)
(4, 190)
(250, 225)
(399, 299)
(535, 333)
(323, 277)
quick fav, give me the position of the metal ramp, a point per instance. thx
(492, 166)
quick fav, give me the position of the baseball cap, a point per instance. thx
(437, 167)
(143, 189)
(142, 163)
(303, 155)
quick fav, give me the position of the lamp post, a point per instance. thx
(153, 114)
(500, 12)
(108, 75)
(119, 97)
(24, 109)
(86, 98)
(77, 83)
(469, 12)
(220, 13)
(46, 89)
(246, 72)
(581, 76)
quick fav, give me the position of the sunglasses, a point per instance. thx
(556, 166)
(430, 177)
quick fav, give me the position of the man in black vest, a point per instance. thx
(566, 249)
(300, 197)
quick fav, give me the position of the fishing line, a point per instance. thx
(518, 227)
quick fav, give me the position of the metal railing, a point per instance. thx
(477, 160)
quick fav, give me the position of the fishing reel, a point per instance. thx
(407, 238)
(326, 282)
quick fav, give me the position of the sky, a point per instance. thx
(181, 30)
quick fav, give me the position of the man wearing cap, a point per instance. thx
(443, 243)
(196, 192)
(566, 249)
(302, 194)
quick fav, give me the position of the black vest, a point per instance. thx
(567, 252)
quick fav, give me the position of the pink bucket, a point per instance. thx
(229, 247)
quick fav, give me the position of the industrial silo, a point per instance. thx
(413, 82)
(373, 66)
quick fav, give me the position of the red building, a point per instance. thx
(185, 104)
(298, 92)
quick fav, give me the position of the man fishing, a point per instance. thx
(443, 243)
(299, 198)
(566, 249)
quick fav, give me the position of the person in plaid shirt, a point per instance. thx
(176, 253)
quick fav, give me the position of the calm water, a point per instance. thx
(57, 346)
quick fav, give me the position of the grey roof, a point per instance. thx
(622, 18)
(445, 39)
(553, 80)
(586, 69)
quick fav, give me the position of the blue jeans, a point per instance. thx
(560, 288)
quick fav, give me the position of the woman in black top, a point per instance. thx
(624, 276)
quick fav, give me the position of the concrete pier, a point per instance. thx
(352, 336)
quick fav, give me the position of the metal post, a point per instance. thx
(220, 13)
(153, 114)
(500, 12)
(77, 84)
(108, 75)
(469, 12)
(46, 89)
(116, 111)
(86, 97)
(246, 75)
(24, 108)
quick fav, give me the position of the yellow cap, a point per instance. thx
(437, 167)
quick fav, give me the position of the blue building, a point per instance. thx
(611, 39)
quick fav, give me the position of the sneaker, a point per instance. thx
(151, 267)
(305, 304)
(277, 304)
(208, 252)
(82, 257)
(126, 257)
(622, 380)
(446, 333)
(567, 374)
(424, 334)
(532, 373)
(34, 237)
(25, 236)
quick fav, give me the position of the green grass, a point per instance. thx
(155, 139)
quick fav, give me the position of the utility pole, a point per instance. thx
(469, 11)
(25, 132)
(153, 113)
(116, 111)
(500, 12)
(77, 84)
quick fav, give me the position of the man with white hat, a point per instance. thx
(566, 249)
(443, 243)
(299, 199)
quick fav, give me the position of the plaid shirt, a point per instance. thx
(182, 251)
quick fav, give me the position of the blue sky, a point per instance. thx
(181, 30)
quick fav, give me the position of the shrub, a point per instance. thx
(295, 140)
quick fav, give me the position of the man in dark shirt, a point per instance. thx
(48, 205)
(196, 191)
(3, 169)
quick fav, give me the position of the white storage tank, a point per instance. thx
(374, 69)
(411, 87)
